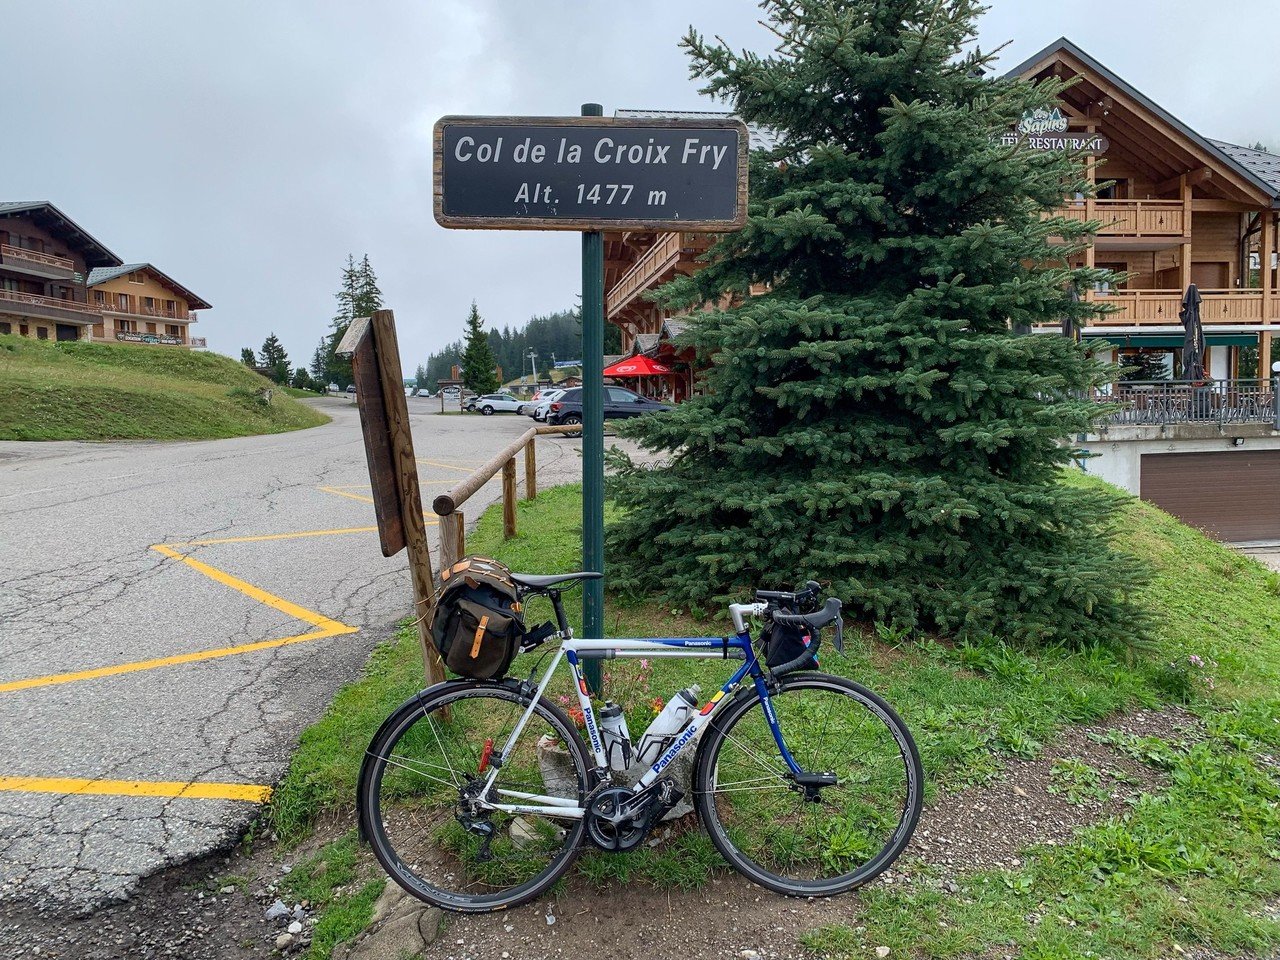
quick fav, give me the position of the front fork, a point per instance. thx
(807, 782)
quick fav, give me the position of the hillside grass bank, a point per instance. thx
(96, 391)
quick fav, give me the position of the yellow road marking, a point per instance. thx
(254, 593)
(276, 536)
(447, 466)
(343, 493)
(138, 788)
(199, 655)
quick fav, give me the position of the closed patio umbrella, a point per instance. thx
(1070, 324)
(1193, 347)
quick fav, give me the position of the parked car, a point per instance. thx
(492, 403)
(351, 390)
(538, 409)
(619, 403)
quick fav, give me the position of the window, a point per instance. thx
(171, 308)
(5, 327)
(619, 395)
(151, 328)
(136, 277)
(149, 305)
(127, 326)
(22, 329)
(122, 302)
(42, 333)
(99, 297)
(172, 330)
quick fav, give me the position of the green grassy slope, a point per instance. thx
(92, 391)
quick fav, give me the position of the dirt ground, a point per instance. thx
(191, 912)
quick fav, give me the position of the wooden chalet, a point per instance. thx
(1176, 208)
(141, 304)
(44, 260)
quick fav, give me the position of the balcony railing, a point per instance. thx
(1162, 306)
(1129, 218)
(142, 310)
(9, 252)
(653, 267)
(15, 296)
(1167, 402)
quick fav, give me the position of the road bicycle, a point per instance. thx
(479, 795)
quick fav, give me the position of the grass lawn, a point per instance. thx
(98, 391)
(1191, 865)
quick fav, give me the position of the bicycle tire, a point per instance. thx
(372, 816)
(721, 732)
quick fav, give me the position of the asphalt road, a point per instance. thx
(120, 753)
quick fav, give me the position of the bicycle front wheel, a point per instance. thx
(420, 799)
(822, 840)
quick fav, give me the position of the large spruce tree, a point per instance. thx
(872, 420)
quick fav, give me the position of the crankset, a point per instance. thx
(619, 818)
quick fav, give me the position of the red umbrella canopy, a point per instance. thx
(640, 366)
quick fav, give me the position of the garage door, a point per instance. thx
(1233, 496)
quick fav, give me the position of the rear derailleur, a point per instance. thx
(619, 818)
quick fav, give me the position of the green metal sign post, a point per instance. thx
(593, 432)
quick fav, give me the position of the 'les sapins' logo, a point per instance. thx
(1040, 121)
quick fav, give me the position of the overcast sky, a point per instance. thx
(246, 148)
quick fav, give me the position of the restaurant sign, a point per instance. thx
(590, 173)
(149, 338)
(1042, 129)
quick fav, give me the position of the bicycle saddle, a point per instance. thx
(538, 581)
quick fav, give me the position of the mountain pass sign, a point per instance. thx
(590, 173)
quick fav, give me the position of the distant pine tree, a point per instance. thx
(477, 360)
(357, 296)
(275, 359)
(248, 357)
(872, 421)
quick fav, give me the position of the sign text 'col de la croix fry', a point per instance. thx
(590, 173)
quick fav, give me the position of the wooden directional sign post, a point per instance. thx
(591, 173)
(370, 342)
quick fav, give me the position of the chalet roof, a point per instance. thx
(1213, 148)
(1265, 165)
(50, 218)
(759, 138)
(103, 274)
(644, 342)
(674, 327)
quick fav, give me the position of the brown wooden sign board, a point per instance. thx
(590, 173)
(393, 470)
(376, 429)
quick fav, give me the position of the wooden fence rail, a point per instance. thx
(447, 506)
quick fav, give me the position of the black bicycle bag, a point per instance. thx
(478, 623)
(783, 643)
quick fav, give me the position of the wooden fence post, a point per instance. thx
(453, 539)
(509, 499)
(531, 469)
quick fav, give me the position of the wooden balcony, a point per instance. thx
(47, 308)
(134, 308)
(672, 253)
(1129, 218)
(1161, 307)
(37, 264)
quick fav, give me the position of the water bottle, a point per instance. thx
(675, 716)
(615, 736)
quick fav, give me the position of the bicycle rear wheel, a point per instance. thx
(422, 776)
(823, 841)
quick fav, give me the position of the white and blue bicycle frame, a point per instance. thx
(736, 647)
